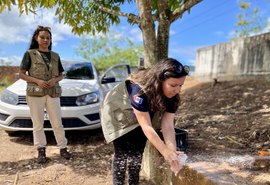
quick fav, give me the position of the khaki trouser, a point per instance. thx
(52, 105)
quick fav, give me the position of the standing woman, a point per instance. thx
(129, 117)
(44, 71)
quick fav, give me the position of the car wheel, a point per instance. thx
(12, 133)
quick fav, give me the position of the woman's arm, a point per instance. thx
(145, 122)
(168, 132)
(40, 83)
(54, 80)
(167, 127)
(27, 78)
(167, 151)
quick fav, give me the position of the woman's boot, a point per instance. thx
(64, 153)
(41, 155)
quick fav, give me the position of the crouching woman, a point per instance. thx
(129, 117)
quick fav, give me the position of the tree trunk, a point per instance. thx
(163, 30)
(148, 33)
(156, 46)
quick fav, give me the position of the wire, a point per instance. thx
(207, 11)
(207, 20)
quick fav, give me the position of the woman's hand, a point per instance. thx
(43, 84)
(171, 157)
(52, 82)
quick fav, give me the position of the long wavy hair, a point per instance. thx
(34, 43)
(150, 80)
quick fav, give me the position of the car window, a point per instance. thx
(79, 71)
(120, 73)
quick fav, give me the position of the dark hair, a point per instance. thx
(150, 80)
(34, 43)
(170, 68)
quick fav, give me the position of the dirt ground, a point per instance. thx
(232, 116)
(225, 118)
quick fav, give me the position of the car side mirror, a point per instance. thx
(106, 80)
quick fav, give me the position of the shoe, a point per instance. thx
(64, 153)
(41, 156)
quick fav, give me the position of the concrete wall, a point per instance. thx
(240, 57)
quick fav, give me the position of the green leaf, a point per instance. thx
(2, 8)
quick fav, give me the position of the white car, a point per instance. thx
(82, 92)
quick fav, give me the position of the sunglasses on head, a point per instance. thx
(180, 69)
(176, 72)
(44, 28)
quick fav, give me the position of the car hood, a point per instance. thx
(78, 87)
(70, 87)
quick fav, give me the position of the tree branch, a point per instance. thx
(131, 17)
(184, 7)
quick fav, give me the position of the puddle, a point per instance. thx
(205, 169)
(240, 161)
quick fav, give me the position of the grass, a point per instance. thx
(2, 88)
(4, 83)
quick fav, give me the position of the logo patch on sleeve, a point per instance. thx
(137, 99)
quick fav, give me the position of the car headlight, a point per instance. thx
(88, 99)
(9, 97)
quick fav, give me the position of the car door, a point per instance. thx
(113, 76)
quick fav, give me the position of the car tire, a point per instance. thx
(12, 133)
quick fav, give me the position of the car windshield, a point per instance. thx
(78, 70)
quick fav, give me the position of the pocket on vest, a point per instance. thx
(57, 91)
(34, 90)
(125, 117)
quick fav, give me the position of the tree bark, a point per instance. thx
(147, 27)
(163, 30)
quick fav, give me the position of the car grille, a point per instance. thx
(67, 123)
(93, 117)
(3, 117)
(68, 101)
(22, 100)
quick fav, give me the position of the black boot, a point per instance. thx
(41, 156)
(64, 153)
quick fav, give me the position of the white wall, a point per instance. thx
(240, 57)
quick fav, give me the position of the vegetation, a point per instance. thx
(107, 50)
(153, 17)
(249, 21)
(4, 83)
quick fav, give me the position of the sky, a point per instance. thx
(208, 23)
